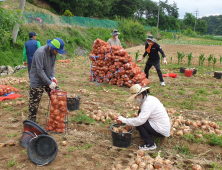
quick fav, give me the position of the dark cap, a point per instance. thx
(31, 34)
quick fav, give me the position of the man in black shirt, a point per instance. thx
(152, 49)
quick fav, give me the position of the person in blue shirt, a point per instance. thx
(29, 49)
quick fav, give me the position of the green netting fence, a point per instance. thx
(80, 21)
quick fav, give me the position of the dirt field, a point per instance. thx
(89, 146)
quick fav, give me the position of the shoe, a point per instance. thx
(162, 83)
(147, 147)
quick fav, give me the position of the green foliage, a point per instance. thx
(32, 2)
(68, 13)
(210, 58)
(214, 61)
(180, 57)
(11, 163)
(137, 55)
(131, 30)
(220, 59)
(182, 149)
(190, 57)
(81, 118)
(201, 59)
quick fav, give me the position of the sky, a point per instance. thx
(205, 7)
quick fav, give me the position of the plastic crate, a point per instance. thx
(73, 103)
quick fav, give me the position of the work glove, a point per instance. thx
(165, 62)
(24, 63)
(53, 85)
(54, 80)
(120, 118)
(139, 60)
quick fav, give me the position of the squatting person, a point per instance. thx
(114, 40)
(29, 49)
(152, 117)
(152, 49)
(42, 74)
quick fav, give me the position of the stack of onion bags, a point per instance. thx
(58, 111)
(113, 65)
(5, 89)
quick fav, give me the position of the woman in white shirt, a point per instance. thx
(152, 119)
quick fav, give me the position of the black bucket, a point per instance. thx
(31, 129)
(122, 140)
(182, 69)
(217, 75)
(194, 71)
(73, 103)
(42, 149)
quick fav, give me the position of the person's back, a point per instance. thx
(29, 49)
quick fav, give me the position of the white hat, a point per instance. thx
(115, 32)
(135, 90)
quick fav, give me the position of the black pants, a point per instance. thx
(35, 96)
(157, 66)
(29, 68)
(146, 131)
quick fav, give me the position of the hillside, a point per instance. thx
(214, 24)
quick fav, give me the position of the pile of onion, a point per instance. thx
(181, 126)
(144, 162)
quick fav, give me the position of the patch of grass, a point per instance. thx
(187, 104)
(181, 92)
(202, 91)
(12, 135)
(81, 118)
(11, 163)
(216, 91)
(213, 139)
(182, 149)
(216, 166)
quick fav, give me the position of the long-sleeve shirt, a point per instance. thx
(43, 67)
(153, 111)
(154, 55)
(31, 51)
(111, 42)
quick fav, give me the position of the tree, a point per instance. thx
(201, 26)
(189, 20)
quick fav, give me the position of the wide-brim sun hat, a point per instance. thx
(57, 44)
(135, 90)
(115, 32)
(151, 38)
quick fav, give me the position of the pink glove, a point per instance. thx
(54, 80)
(24, 63)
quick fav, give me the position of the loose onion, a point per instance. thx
(64, 143)
(140, 153)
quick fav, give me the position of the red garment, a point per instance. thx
(173, 75)
(11, 96)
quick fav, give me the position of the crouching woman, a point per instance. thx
(152, 119)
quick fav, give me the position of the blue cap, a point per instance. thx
(31, 34)
(57, 44)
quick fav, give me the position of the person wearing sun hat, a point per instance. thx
(152, 117)
(114, 40)
(152, 49)
(42, 73)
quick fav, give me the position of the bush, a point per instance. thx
(131, 30)
(68, 13)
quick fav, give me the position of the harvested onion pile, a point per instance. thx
(58, 111)
(113, 65)
(145, 162)
(181, 126)
(12, 81)
(5, 89)
(122, 129)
